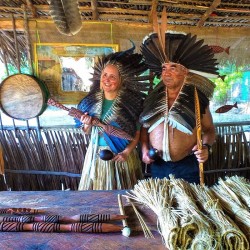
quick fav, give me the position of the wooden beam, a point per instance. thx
(95, 14)
(45, 8)
(6, 24)
(32, 8)
(208, 12)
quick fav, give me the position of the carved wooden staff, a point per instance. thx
(56, 227)
(111, 130)
(20, 211)
(199, 139)
(82, 218)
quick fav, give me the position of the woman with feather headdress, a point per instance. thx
(169, 115)
(116, 99)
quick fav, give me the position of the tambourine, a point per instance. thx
(23, 96)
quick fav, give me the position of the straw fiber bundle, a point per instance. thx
(233, 205)
(227, 233)
(196, 228)
(241, 187)
(157, 195)
(190, 216)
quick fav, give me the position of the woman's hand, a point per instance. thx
(86, 119)
(122, 156)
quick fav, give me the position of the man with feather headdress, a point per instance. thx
(169, 115)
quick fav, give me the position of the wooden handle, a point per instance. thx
(54, 103)
(20, 211)
(82, 218)
(55, 227)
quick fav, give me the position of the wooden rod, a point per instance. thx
(45, 227)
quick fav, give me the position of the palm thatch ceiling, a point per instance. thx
(223, 14)
(214, 13)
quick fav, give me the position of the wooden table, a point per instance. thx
(69, 203)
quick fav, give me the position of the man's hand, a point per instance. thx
(201, 154)
(145, 157)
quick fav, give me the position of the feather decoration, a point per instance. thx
(127, 106)
(163, 28)
(155, 124)
(154, 105)
(182, 113)
(203, 84)
(180, 48)
(66, 16)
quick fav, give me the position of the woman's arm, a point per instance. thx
(122, 156)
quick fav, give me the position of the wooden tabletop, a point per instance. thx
(69, 203)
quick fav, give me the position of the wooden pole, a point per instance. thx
(81, 218)
(45, 227)
(198, 127)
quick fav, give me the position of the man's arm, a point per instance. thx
(208, 136)
(208, 129)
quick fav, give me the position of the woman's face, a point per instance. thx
(110, 79)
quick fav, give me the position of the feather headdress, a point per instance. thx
(128, 104)
(179, 48)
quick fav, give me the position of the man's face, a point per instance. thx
(173, 75)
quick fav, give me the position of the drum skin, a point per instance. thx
(23, 96)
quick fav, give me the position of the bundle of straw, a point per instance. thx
(233, 206)
(228, 234)
(196, 230)
(241, 187)
(157, 195)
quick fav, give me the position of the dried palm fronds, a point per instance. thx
(196, 229)
(228, 234)
(233, 206)
(157, 195)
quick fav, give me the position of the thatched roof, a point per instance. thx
(215, 13)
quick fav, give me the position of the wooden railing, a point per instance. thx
(52, 158)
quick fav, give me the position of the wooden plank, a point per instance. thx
(208, 12)
(6, 24)
(95, 14)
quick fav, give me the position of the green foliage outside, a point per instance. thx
(230, 75)
(12, 69)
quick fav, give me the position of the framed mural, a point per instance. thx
(66, 68)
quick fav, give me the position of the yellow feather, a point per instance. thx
(163, 27)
